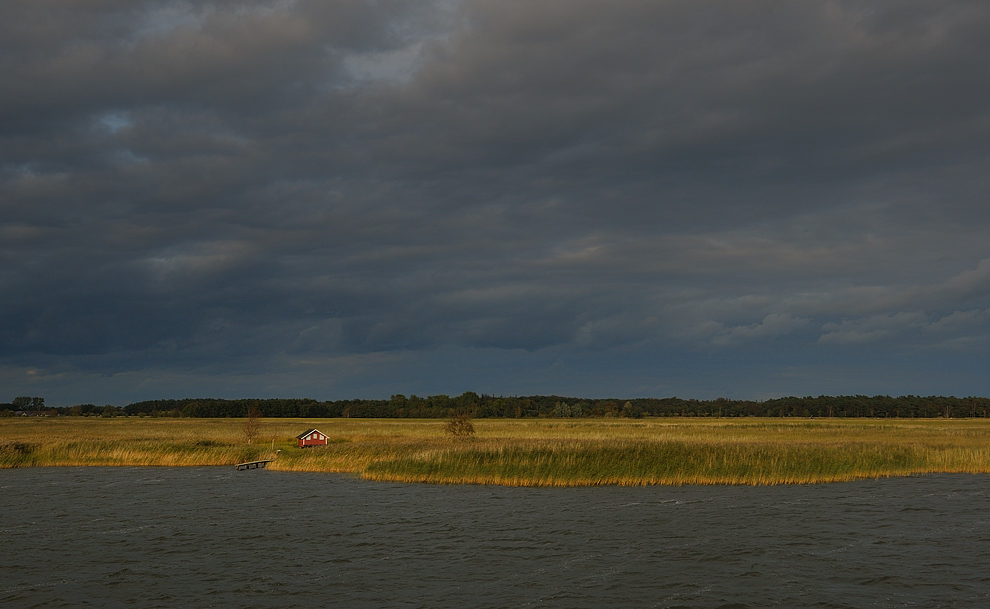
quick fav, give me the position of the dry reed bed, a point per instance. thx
(581, 452)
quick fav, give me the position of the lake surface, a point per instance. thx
(215, 537)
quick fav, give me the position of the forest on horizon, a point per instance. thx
(489, 406)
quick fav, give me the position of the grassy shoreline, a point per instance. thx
(543, 452)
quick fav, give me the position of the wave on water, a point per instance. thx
(198, 537)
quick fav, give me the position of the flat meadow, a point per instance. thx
(522, 452)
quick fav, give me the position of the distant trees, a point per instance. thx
(23, 403)
(83, 410)
(476, 406)
(631, 411)
(28, 403)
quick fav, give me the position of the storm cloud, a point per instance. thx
(700, 198)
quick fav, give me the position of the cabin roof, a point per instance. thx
(307, 432)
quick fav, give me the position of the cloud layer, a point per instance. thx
(347, 198)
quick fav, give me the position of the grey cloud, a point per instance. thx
(120, 53)
(957, 330)
(872, 329)
(277, 188)
(773, 325)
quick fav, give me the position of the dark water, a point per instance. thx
(214, 537)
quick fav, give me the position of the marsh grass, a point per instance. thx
(524, 452)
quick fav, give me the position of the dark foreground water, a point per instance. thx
(214, 537)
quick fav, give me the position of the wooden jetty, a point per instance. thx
(254, 464)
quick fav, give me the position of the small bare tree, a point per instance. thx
(459, 426)
(252, 427)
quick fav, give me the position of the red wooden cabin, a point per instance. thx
(313, 437)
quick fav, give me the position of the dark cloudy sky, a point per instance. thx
(354, 198)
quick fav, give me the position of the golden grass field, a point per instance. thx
(528, 452)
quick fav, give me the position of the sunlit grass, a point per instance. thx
(528, 452)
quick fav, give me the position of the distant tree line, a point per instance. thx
(490, 406)
(23, 404)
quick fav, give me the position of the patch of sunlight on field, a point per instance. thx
(530, 452)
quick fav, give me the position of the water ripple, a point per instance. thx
(209, 537)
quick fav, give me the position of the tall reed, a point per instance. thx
(527, 452)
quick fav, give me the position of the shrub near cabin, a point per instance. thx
(312, 437)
